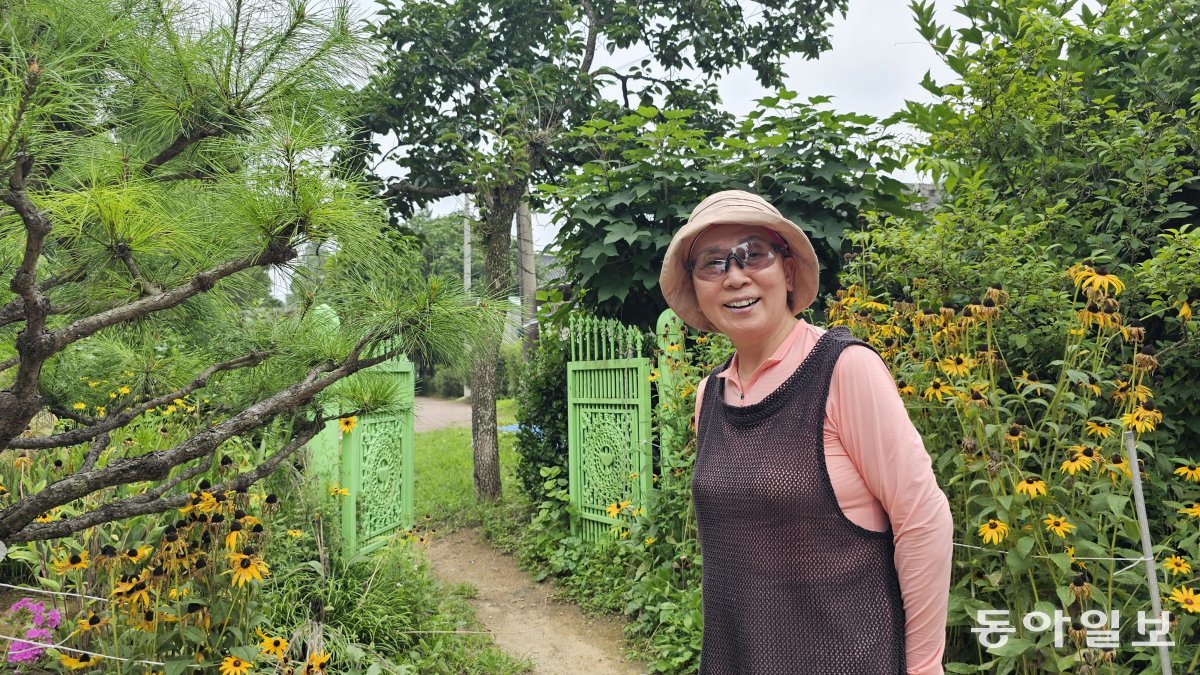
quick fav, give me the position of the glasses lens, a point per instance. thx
(752, 254)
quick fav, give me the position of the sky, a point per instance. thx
(875, 64)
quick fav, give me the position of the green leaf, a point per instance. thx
(177, 666)
(1014, 647)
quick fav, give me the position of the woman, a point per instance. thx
(825, 539)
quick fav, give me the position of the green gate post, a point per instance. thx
(377, 468)
(374, 461)
(670, 334)
(610, 453)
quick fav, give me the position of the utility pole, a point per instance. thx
(467, 265)
(528, 281)
(467, 242)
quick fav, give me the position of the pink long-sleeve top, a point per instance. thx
(880, 472)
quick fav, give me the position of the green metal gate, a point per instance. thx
(610, 453)
(374, 462)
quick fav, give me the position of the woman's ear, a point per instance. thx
(789, 272)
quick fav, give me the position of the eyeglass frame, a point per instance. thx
(782, 248)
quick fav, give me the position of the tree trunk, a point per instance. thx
(501, 205)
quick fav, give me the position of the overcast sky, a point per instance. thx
(876, 63)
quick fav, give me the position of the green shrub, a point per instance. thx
(542, 412)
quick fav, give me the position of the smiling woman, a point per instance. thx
(825, 538)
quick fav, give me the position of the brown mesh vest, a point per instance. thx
(790, 584)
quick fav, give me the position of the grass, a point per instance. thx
(444, 485)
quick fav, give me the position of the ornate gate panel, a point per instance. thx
(608, 425)
(374, 462)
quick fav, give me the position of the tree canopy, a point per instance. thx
(155, 159)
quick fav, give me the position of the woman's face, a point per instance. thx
(746, 305)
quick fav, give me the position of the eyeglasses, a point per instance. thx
(752, 255)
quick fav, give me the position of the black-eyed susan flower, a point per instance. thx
(1081, 586)
(977, 396)
(271, 646)
(91, 623)
(993, 531)
(1026, 379)
(1082, 457)
(234, 537)
(1058, 525)
(1117, 466)
(1099, 280)
(905, 388)
(958, 365)
(1176, 564)
(1015, 435)
(1098, 429)
(336, 490)
(1125, 391)
(73, 663)
(295, 534)
(147, 621)
(1143, 418)
(1031, 486)
(1146, 359)
(938, 389)
(232, 665)
(346, 424)
(71, 563)
(1186, 598)
(1192, 511)
(1190, 472)
(245, 568)
(318, 662)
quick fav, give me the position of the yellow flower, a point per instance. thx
(1190, 472)
(905, 388)
(1142, 418)
(124, 391)
(90, 623)
(993, 531)
(136, 555)
(938, 389)
(1117, 466)
(272, 646)
(247, 567)
(1100, 280)
(147, 621)
(1177, 565)
(1015, 436)
(1101, 429)
(1032, 487)
(1058, 525)
(93, 384)
(80, 406)
(1192, 511)
(295, 534)
(1081, 460)
(653, 377)
(176, 593)
(957, 365)
(76, 561)
(72, 663)
(317, 662)
(1124, 391)
(100, 411)
(1185, 311)
(649, 540)
(336, 490)
(232, 665)
(674, 347)
(1186, 598)
(346, 424)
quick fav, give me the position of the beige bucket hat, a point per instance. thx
(734, 207)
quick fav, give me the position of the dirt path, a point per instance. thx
(521, 615)
(430, 414)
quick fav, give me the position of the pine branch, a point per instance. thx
(111, 422)
(154, 502)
